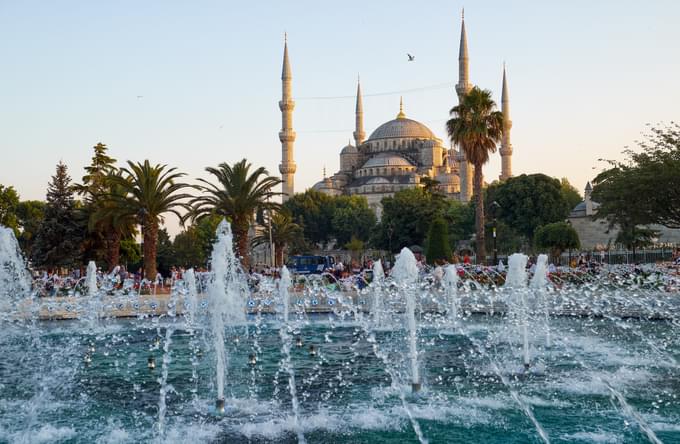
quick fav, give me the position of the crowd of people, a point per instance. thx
(349, 273)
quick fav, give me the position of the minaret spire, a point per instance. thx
(287, 135)
(359, 134)
(462, 88)
(506, 145)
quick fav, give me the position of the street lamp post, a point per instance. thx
(494, 209)
(142, 214)
(569, 257)
(271, 242)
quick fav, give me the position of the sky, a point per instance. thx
(194, 84)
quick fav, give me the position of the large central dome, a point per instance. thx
(402, 127)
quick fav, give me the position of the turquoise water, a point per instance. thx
(473, 386)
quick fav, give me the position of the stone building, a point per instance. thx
(595, 234)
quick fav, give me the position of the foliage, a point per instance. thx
(528, 202)
(645, 188)
(557, 237)
(461, 218)
(476, 127)
(438, 248)
(9, 202)
(406, 218)
(570, 193)
(57, 242)
(105, 228)
(193, 245)
(634, 237)
(147, 193)
(130, 252)
(313, 211)
(325, 218)
(352, 218)
(355, 246)
(238, 196)
(165, 255)
(30, 214)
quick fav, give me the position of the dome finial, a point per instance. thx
(401, 114)
(462, 14)
(324, 171)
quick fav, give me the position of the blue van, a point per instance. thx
(310, 264)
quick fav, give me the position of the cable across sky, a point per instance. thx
(386, 93)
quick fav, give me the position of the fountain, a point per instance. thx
(226, 301)
(217, 360)
(451, 285)
(405, 274)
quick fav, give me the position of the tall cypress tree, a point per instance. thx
(438, 247)
(59, 238)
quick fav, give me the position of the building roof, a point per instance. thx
(580, 209)
(386, 159)
(402, 127)
(349, 149)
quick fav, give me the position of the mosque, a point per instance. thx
(398, 154)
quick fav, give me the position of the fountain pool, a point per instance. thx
(602, 352)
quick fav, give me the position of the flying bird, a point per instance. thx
(139, 97)
(410, 57)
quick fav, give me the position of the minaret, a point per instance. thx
(463, 87)
(359, 134)
(506, 145)
(287, 135)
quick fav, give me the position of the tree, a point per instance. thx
(325, 218)
(529, 201)
(193, 246)
(406, 218)
(557, 237)
(313, 211)
(238, 196)
(634, 237)
(477, 128)
(111, 225)
(130, 253)
(438, 248)
(105, 228)
(284, 232)
(645, 188)
(166, 254)
(461, 218)
(570, 193)
(147, 193)
(355, 246)
(352, 218)
(9, 202)
(31, 214)
(57, 243)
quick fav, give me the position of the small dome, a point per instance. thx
(448, 179)
(349, 149)
(402, 127)
(386, 159)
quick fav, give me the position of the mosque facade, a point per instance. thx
(398, 154)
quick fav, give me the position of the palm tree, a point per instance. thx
(284, 232)
(146, 193)
(476, 127)
(238, 196)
